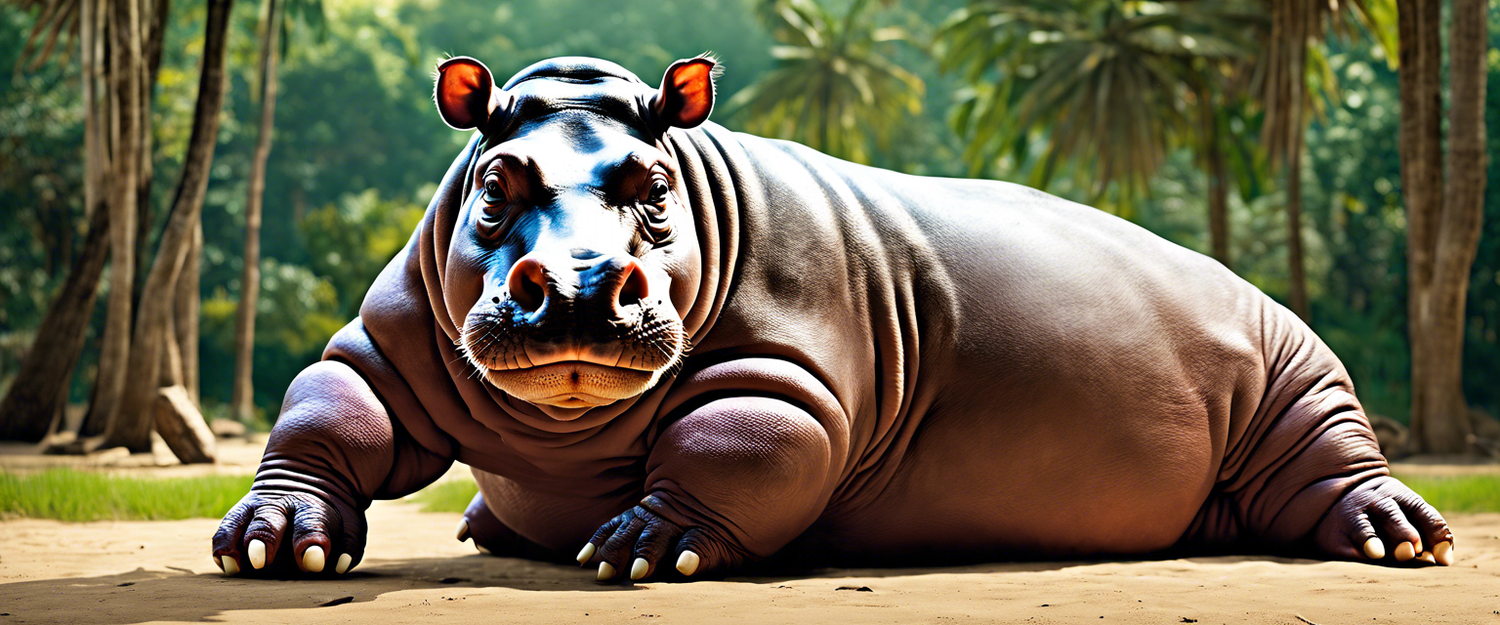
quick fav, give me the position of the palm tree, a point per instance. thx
(1112, 86)
(1290, 53)
(834, 88)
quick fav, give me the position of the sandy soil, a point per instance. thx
(134, 572)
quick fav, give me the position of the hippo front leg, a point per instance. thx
(333, 450)
(735, 479)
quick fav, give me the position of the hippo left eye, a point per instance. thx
(494, 192)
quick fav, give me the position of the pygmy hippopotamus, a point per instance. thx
(685, 349)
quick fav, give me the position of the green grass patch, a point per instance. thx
(1468, 493)
(72, 495)
(449, 496)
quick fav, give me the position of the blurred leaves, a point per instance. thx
(833, 87)
(353, 239)
(1109, 83)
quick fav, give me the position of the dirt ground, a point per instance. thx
(137, 572)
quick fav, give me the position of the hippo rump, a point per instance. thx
(685, 349)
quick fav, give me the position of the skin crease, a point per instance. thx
(774, 353)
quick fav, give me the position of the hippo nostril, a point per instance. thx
(527, 284)
(634, 287)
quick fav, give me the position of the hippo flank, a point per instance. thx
(686, 349)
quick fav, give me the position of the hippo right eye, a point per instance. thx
(494, 193)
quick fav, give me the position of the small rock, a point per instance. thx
(227, 428)
(855, 588)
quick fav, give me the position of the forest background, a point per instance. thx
(358, 148)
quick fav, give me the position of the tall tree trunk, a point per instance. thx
(125, 69)
(1420, 141)
(1218, 192)
(39, 391)
(1296, 267)
(155, 340)
(186, 312)
(244, 326)
(153, 34)
(1443, 225)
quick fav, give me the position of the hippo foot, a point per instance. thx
(289, 534)
(1382, 520)
(642, 539)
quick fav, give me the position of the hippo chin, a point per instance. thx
(685, 349)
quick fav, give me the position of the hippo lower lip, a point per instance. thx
(572, 384)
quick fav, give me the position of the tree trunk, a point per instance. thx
(155, 335)
(125, 69)
(152, 25)
(1296, 267)
(1449, 227)
(1218, 192)
(39, 391)
(1420, 142)
(244, 326)
(186, 313)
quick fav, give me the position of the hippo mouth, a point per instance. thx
(572, 375)
(572, 383)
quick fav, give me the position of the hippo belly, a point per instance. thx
(985, 479)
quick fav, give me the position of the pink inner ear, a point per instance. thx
(690, 97)
(463, 94)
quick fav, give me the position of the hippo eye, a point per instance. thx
(494, 193)
(494, 216)
(654, 211)
(658, 192)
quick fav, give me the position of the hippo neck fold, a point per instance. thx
(713, 170)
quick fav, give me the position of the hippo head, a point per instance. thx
(574, 253)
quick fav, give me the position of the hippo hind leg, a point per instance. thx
(1307, 475)
(493, 537)
(1383, 520)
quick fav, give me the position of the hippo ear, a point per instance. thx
(687, 93)
(465, 93)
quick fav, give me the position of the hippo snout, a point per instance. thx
(584, 282)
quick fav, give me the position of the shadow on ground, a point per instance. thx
(180, 595)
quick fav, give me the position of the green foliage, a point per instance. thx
(447, 496)
(71, 495)
(833, 88)
(352, 239)
(298, 311)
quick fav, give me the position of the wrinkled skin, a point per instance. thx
(686, 349)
